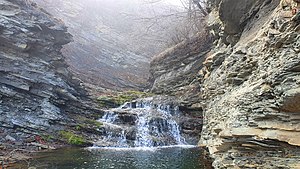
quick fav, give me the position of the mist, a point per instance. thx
(116, 37)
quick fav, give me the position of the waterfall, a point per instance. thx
(142, 123)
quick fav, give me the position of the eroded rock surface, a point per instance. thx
(252, 113)
(249, 85)
(174, 71)
(113, 41)
(38, 95)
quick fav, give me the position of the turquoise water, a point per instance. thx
(118, 158)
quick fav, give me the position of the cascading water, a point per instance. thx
(142, 123)
(146, 133)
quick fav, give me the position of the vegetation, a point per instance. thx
(117, 99)
(88, 123)
(47, 137)
(72, 138)
(95, 123)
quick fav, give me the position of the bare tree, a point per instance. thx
(185, 24)
(198, 3)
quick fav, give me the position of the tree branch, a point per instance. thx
(203, 11)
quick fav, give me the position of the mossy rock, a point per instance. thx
(47, 137)
(94, 123)
(117, 99)
(84, 122)
(87, 125)
(72, 138)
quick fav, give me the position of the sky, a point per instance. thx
(174, 2)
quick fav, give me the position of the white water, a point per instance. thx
(153, 125)
(140, 148)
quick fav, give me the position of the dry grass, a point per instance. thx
(200, 43)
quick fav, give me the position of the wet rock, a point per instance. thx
(154, 121)
(32, 168)
(43, 146)
(131, 135)
(128, 119)
(10, 138)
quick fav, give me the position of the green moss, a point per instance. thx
(84, 122)
(79, 127)
(72, 138)
(94, 123)
(47, 138)
(106, 101)
(117, 99)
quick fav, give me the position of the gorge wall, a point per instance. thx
(101, 53)
(38, 95)
(248, 85)
(113, 40)
(44, 106)
(243, 77)
(175, 70)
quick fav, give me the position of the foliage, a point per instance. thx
(94, 123)
(72, 138)
(117, 99)
(86, 123)
(47, 137)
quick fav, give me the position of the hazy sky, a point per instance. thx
(174, 2)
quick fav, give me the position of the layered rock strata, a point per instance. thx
(38, 95)
(174, 71)
(252, 113)
(249, 86)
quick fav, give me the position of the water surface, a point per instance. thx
(120, 158)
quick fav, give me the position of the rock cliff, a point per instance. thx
(113, 40)
(101, 54)
(249, 86)
(251, 114)
(174, 71)
(38, 95)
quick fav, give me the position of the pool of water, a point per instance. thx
(120, 158)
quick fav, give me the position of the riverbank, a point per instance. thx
(12, 153)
